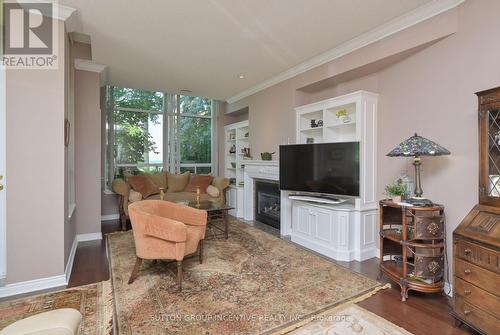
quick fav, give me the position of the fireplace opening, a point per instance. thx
(267, 203)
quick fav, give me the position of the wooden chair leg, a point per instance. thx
(201, 251)
(179, 275)
(137, 266)
(123, 220)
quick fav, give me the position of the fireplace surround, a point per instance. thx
(267, 202)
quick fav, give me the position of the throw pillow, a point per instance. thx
(159, 179)
(198, 180)
(213, 191)
(134, 196)
(143, 185)
(177, 182)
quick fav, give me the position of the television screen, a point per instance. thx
(331, 168)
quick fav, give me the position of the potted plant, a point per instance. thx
(343, 115)
(396, 191)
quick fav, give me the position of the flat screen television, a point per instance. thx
(328, 168)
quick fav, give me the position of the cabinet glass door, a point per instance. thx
(493, 151)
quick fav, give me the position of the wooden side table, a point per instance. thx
(412, 246)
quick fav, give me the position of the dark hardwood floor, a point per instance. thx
(425, 314)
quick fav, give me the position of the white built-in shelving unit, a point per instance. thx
(347, 231)
(237, 137)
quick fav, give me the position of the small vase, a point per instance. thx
(396, 198)
(346, 119)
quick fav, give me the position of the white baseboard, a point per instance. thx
(110, 217)
(49, 282)
(88, 237)
(71, 258)
(32, 285)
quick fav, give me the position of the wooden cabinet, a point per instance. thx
(476, 254)
(489, 147)
(476, 241)
(412, 246)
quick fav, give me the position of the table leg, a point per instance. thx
(226, 225)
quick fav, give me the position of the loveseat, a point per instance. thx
(176, 188)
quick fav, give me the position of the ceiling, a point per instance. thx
(205, 45)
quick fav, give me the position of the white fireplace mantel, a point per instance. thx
(256, 169)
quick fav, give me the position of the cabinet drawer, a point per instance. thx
(480, 277)
(476, 254)
(428, 228)
(476, 316)
(477, 297)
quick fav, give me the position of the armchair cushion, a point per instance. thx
(143, 185)
(159, 179)
(177, 182)
(198, 180)
(213, 191)
(134, 196)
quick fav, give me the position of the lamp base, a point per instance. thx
(419, 202)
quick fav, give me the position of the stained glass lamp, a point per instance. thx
(417, 146)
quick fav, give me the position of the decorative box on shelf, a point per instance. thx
(412, 246)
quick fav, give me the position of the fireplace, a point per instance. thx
(267, 203)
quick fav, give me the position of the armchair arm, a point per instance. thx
(165, 229)
(121, 187)
(221, 183)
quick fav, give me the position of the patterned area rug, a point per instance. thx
(349, 319)
(253, 283)
(94, 301)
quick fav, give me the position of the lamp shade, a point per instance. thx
(417, 146)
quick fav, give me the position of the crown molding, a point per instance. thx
(88, 65)
(60, 12)
(392, 27)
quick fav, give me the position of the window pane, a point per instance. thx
(130, 98)
(195, 140)
(187, 168)
(138, 137)
(195, 105)
(203, 170)
(120, 171)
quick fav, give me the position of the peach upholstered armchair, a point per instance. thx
(166, 230)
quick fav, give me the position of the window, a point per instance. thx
(155, 131)
(195, 134)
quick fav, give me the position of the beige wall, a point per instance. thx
(87, 152)
(35, 107)
(430, 91)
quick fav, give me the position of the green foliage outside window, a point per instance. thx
(132, 138)
(195, 134)
(133, 142)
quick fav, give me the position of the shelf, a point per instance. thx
(243, 139)
(311, 129)
(391, 234)
(230, 168)
(341, 124)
